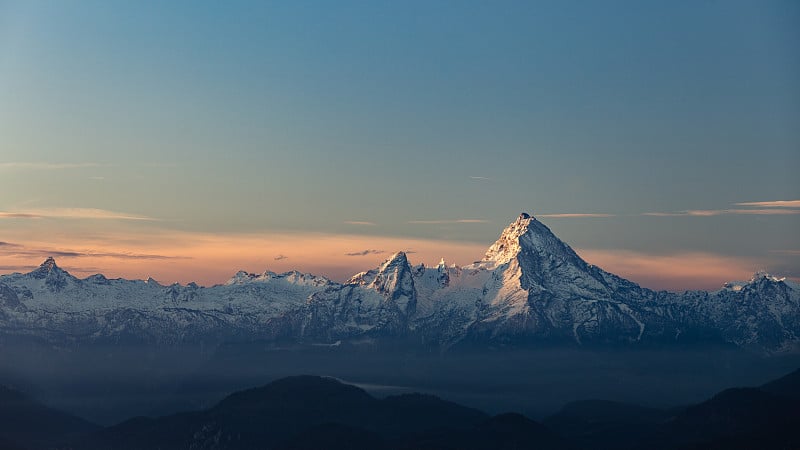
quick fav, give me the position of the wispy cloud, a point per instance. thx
(786, 252)
(18, 165)
(360, 222)
(280, 257)
(72, 213)
(18, 215)
(17, 250)
(71, 269)
(721, 212)
(214, 257)
(573, 215)
(480, 178)
(773, 204)
(440, 222)
(16, 268)
(8, 244)
(365, 252)
(156, 164)
(770, 208)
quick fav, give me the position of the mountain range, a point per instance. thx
(530, 289)
(310, 412)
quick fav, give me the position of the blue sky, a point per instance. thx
(402, 121)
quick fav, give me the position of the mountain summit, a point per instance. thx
(48, 266)
(527, 236)
(529, 289)
(539, 259)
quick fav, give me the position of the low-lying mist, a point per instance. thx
(110, 383)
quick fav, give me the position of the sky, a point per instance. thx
(188, 140)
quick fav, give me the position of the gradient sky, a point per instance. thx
(187, 140)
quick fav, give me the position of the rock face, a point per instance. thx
(529, 289)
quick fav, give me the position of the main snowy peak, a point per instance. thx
(527, 237)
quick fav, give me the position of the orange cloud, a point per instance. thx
(46, 166)
(206, 258)
(213, 258)
(774, 204)
(72, 213)
(720, 212)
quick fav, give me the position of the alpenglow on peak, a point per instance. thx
(525, 233)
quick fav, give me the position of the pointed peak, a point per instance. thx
(528, 235)
(399, 256)
(507, 246)
(47, 267)
(398, 259)
(240, 277)
(396, 263)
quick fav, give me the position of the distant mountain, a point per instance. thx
(786, 386)
(309, 412)
(530, 289)
(28, 424)
(315, 412)
(741, 418)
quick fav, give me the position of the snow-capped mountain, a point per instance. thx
(529, 289)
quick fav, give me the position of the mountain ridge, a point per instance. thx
(530, 288)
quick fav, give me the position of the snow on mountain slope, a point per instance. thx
(529, 289)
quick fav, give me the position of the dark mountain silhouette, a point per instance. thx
(310, 412)
(26, 423)
(788, 385)
(739, 418)
(293, 412)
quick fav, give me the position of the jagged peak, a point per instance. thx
(764, 275)
(359, 278)
(292, 276)
(47, 267)
(760, 278)
(395, 263)
(239, 277)
(398, 258)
